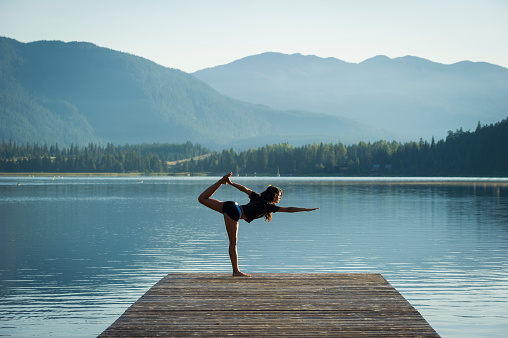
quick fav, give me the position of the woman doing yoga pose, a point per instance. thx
(260, 205)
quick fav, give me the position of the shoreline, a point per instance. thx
(25, 174)
(394, 180)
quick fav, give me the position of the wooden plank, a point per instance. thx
(344, 305)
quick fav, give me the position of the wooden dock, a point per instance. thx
(207, 304)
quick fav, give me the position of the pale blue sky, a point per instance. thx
(195, 34)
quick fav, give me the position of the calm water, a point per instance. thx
(76, 252)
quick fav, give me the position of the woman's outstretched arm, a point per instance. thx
(295, 209)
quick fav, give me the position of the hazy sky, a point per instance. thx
(195, 34)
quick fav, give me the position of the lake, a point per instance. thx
(76, 252)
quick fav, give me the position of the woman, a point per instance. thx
(259, 206)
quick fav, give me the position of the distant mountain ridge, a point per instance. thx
(56, 92)
(409, 96)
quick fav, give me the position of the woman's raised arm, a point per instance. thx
(236, 185)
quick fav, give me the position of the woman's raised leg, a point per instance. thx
(205, 199)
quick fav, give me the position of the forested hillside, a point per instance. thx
(411, 96)
(77, 93)
(93, 158)
(462, 153)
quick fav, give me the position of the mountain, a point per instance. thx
(411, 96)
(56, 92)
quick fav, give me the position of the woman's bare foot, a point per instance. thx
(240, 274)
(225, 179)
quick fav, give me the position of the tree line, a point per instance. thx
(483, 152)
(145, 158)
(463, 153)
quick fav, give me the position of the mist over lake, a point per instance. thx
(76, 252)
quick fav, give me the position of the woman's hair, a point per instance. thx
(270, 195)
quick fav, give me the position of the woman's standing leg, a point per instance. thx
(232, 229)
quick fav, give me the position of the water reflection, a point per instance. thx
(75, 253)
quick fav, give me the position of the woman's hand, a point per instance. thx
(226, 179)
